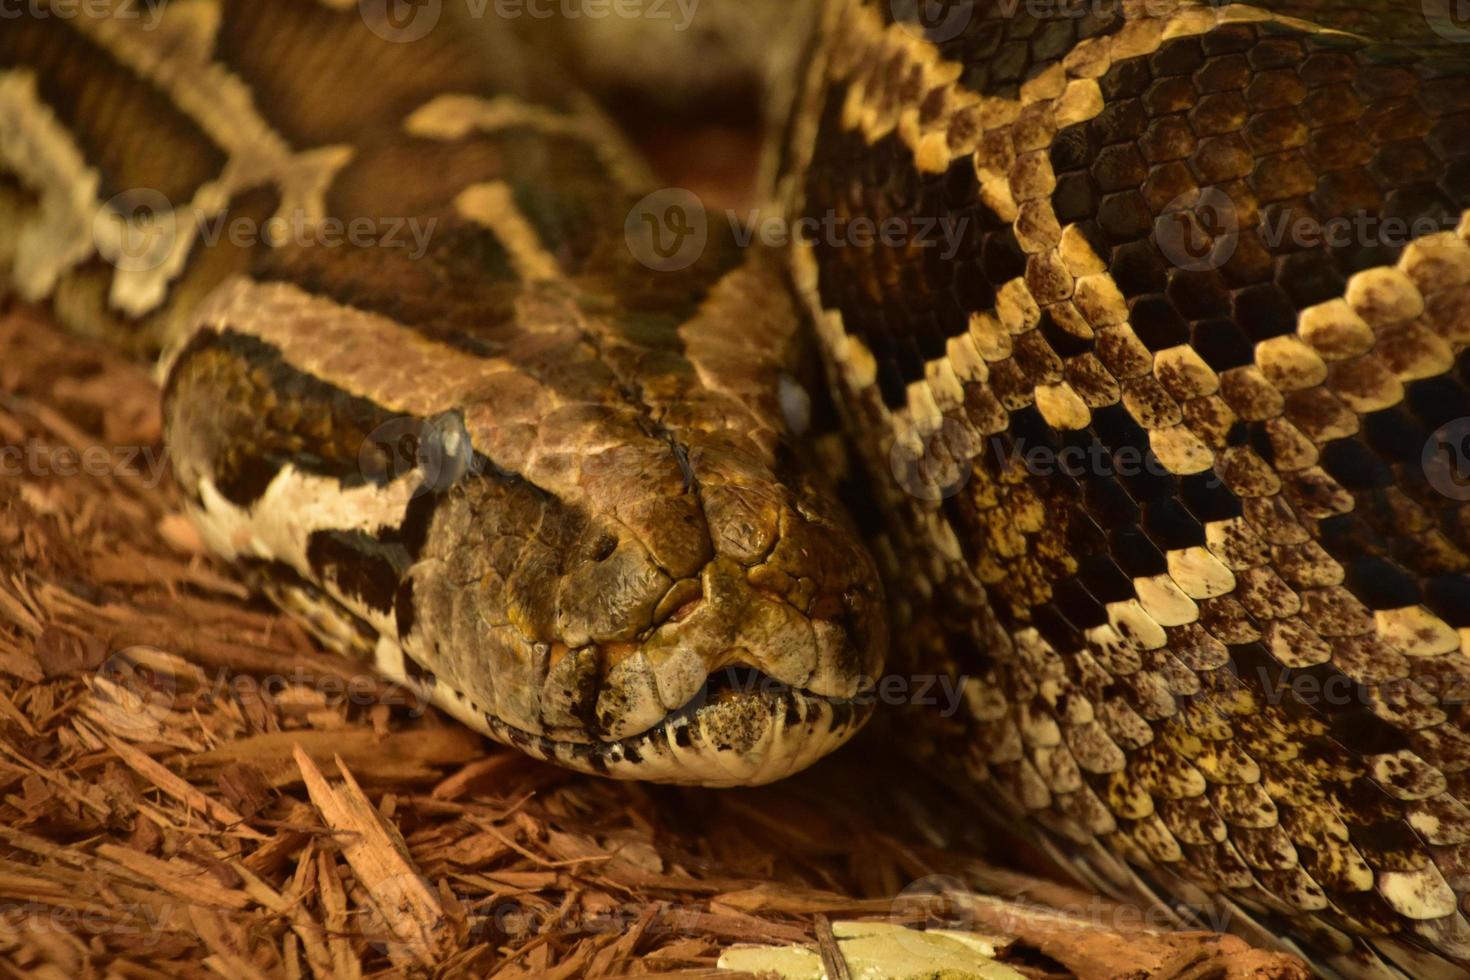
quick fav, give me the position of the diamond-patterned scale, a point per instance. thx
(1219, 282)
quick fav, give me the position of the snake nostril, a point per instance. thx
(604, 548)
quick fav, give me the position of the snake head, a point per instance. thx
(689, 621)
(646, 584)
(652, 582)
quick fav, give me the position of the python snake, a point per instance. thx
(1151, 353)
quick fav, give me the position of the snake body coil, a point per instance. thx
(1147, 321)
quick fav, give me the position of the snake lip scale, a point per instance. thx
(740, 732)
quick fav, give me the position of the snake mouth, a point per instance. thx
(743, 728)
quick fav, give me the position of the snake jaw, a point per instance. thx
(750, 738)
(690, 706)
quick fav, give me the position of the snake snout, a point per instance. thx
(754, 667)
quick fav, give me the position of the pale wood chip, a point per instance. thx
(345, 963)
(408, 906)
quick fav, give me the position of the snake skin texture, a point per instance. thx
(1160, 444)
(1159, 396)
